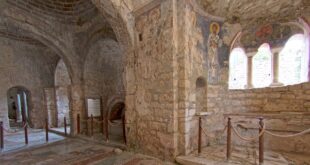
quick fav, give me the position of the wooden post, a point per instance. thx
(1, 136)
(78, 123)
(106, 128)
(124, 129)
(228, 151)
(102, 120)
(199, 135)
(65, 125)
(91, 125)
(261, 142)
(46, 130)
(26, 132)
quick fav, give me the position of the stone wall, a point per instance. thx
(285, 109)
(150, 123)
(27, 66)
(103, 70)
(103, 73)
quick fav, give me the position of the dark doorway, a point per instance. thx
(18, 106)
(116, 121)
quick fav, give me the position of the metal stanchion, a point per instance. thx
(228, 151)
(92, 125)
(26, 132)
(65, 125)
(46, 130)
(261, 141)
(199, 135)
(107, 129)
(78, 123)
(1, 136)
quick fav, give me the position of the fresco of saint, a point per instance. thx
(214, 42)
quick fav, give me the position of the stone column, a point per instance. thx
(77, 104)
(249, 73)
(275, 70)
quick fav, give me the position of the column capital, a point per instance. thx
(276, 50)
(251, 54)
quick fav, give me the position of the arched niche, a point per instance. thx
(200, 94)
(62, 93)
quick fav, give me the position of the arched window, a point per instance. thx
(262, 67)
(293, 61)
(237, 69)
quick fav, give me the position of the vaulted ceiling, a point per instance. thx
(67, 11)
(80, 12)
(236, 11)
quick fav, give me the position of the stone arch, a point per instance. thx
(116, 20)
(45, 38)
(111, 102)
(103, 69)
(98, 29)
(115, 118)
(122, 25)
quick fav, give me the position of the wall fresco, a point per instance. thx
(274, 34)
(216, 51)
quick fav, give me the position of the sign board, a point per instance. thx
(93, 107)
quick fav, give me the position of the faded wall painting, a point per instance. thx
(216, 51)
(274, 34)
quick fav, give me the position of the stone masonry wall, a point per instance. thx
(103, 70)
(28, 66)
(285, 109)
(150, 125)
(103, 73)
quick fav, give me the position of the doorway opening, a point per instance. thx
(116, 119)
(18, 106)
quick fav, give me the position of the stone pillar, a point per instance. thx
(275, 70)
(249, 76)
(77, 104)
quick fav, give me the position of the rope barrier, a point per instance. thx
(249, 138)
(288, 136)
(98, 121)
(26, 124)
(216, 137)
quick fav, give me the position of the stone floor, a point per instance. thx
(61, 129)
(216, 155)
(76, 151)
(15, 140)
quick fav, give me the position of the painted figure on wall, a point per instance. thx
(214, 42)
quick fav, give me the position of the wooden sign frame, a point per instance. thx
(95, 112)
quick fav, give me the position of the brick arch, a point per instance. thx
(113, 101)
(117, 21)
(45, 39)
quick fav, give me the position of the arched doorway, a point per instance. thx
(18, 106)
(116, 119)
